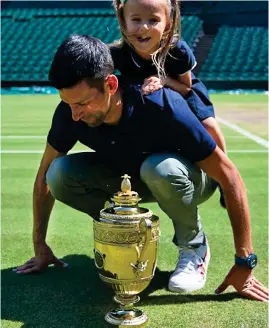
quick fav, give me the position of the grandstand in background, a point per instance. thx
(229, 39)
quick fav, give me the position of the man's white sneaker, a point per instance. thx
(191, 269)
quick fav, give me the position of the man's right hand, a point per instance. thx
(40, 262)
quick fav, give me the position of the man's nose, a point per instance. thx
(77, 112)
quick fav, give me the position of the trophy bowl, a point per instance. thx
(126, 241)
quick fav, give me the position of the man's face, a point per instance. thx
(87, 104)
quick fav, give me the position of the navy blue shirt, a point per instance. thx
(158, 122)
(179, 61)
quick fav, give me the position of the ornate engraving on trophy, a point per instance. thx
(129, 237)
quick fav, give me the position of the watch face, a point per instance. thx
(252, 261)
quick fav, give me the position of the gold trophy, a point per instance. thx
(126, 241)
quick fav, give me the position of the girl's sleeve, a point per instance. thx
(182, 59)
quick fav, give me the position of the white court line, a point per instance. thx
(245, 133)
(21, 151)
(235, 137)
(235, 151)
(37, 151)
(45, 137)
(234, 127)
(23, 137)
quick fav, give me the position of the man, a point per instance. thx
(154, 138)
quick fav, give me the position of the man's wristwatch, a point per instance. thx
(249, 262)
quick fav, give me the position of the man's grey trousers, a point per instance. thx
(84, 183)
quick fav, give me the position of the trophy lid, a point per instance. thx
(124, 207)
(126, 197)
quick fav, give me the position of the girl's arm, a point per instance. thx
(186, 79)
(181, 62)
(182, 85)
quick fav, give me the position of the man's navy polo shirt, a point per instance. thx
(157, 123)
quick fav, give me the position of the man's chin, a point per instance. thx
(93, 124)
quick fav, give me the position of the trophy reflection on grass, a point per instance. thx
(125, 251)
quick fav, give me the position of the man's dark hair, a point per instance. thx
(81, 57)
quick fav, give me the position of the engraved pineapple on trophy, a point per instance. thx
(126, 184)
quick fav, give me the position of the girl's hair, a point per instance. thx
(169, 38)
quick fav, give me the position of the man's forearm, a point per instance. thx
(42, 206)
(237, 206)
(221, 169)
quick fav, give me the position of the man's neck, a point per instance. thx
(116, 108)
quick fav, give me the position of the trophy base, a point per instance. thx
(123, 318)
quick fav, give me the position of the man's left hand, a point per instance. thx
(245, 283)
(152, 84)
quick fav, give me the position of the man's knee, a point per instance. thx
(164, 174)
(161, 166)
(55, 176)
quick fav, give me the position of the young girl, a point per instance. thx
(150, 49)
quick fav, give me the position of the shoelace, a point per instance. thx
(188, 259)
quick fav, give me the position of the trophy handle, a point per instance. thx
(146, 229)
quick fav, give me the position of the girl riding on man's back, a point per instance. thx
(150, 50)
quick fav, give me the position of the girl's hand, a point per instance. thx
(152, 84)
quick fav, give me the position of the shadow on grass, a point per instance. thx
(71, 297)
(75, 296)
(160, 281)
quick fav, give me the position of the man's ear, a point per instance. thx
(112, 82)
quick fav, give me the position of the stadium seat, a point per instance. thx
(236, 51)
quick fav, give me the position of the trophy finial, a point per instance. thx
(126, 197)
(126, 184)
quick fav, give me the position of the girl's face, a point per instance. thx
(146, 21)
